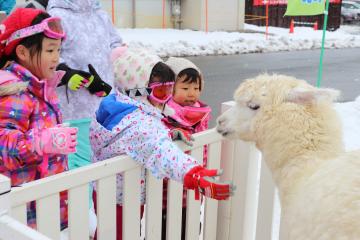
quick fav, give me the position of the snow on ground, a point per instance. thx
(173, 42)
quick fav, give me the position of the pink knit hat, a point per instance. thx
(132, 67)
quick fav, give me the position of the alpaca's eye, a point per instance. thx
(253, 106)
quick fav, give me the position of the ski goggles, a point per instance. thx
(51, 27)
(189, 115)
(161, 92)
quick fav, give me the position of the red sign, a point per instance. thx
(271, 2)
(280, 2)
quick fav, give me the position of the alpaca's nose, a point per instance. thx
(221, 130)
(220, 121)
(220, 125)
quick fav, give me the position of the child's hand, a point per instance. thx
(183, 135)
(56, 140)
(202, 181)
(75, 79)
(60, 139)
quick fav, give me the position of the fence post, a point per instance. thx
(9, 227)
(4, 195)
(237, 216)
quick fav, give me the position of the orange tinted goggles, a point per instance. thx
(161, 92)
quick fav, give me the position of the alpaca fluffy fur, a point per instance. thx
(298, 132)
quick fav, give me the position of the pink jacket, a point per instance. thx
(26, 104)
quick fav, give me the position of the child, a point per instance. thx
(129, 122)
(33, 142)
(190, 114)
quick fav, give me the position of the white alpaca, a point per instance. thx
(298, 132)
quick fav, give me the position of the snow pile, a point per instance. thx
(173, 42)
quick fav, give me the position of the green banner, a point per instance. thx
(305, 7)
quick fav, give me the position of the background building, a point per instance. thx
(211, 15)
(185, 14)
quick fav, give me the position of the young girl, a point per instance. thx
(33, 143)
(129, 122)
(190, 115)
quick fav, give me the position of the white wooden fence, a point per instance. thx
(248, 215)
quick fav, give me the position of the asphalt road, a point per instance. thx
(341, 70)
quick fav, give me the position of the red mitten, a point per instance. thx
(202, 181)
(183, 135)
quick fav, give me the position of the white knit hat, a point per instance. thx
(132, 67)
(179, 64)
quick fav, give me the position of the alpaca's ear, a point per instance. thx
(312, 95)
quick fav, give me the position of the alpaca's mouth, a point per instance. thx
(223, 132)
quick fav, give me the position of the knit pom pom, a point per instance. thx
(118, 52)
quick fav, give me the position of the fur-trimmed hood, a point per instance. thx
(10, 84)
(16, 79)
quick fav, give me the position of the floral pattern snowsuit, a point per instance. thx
(141, 135)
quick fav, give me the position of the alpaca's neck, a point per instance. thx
(296, 170)
(295, 152)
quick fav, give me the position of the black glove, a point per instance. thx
(96, 85)
(74, 79)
